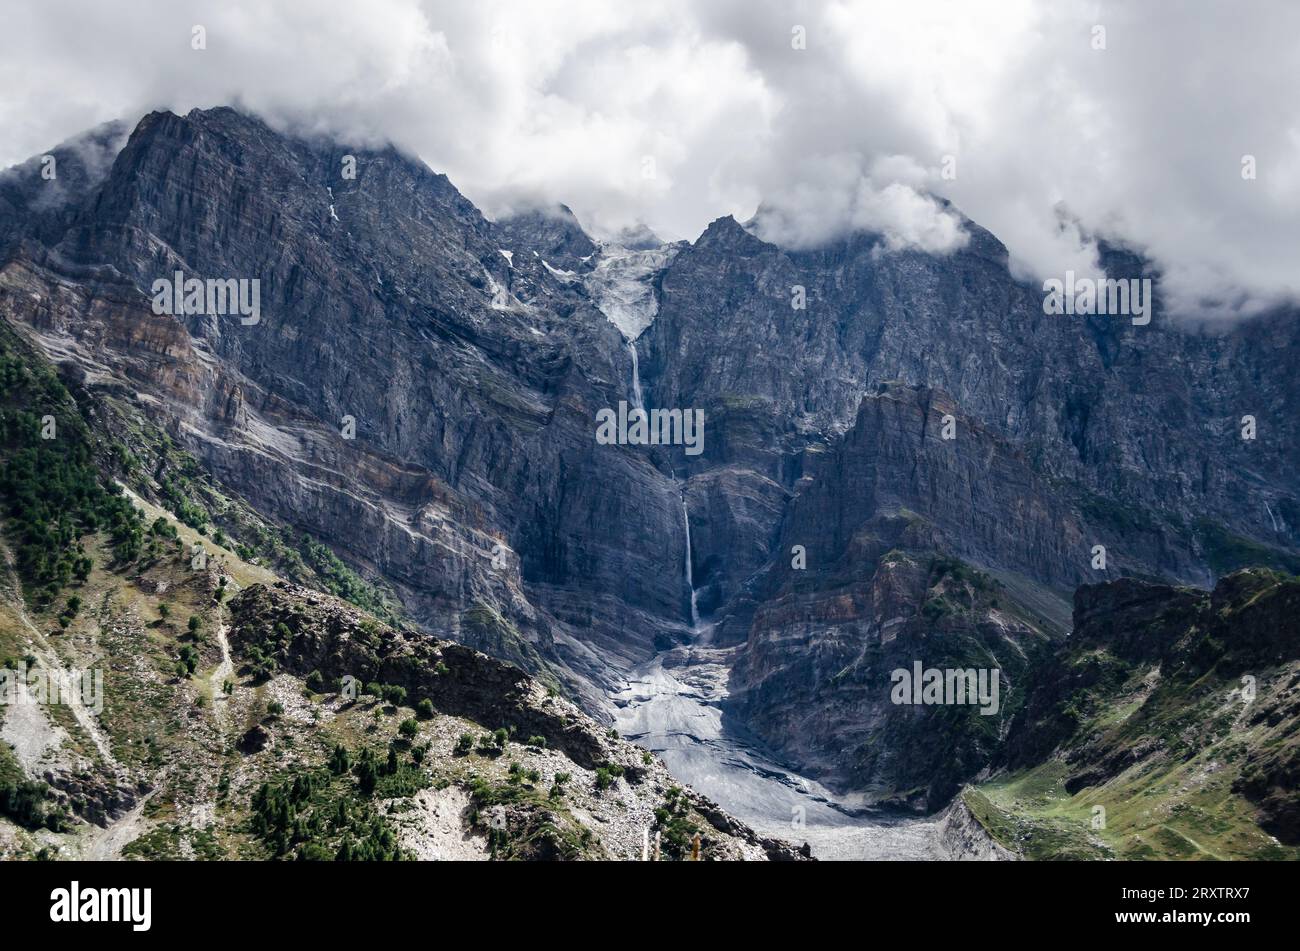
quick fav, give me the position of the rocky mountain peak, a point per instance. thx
(902, 450)
(726, 234)
(553, 233)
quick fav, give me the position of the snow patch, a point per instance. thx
(501, 299)
(555, 271)
(622, 285)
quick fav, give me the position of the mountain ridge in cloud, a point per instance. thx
(674, 113)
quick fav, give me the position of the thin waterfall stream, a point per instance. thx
(690, 570)
(672, 704)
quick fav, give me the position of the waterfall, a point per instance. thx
(690, 579)
(637, 401)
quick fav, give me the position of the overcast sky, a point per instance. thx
(679, 111)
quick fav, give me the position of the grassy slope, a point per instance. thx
(1172, 738)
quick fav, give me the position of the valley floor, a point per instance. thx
(672, 706)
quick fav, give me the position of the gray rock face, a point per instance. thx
(38, 197)
(966, 840)
(474, 486)
(553, 234)
(1068, 433)
(473, 384)
(1147, 418)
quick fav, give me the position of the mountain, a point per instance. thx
(552, 234)
(1165, 728)
(231, 714)
(904, 459)
(471, 381)
(827, 433)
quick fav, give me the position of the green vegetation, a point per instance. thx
(605, 775)
(1124, 519)
(673, 822)
(160, 469)
(522, 824)
(1227, 552)
(1165, 757)
(1026, 818)
(188, 661)
(168, 843)
(328, 814)
(31, 805)
(487, 630)
(51, 487)
(1180, 813)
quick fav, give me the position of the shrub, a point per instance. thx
(26, 804)
(188, 659)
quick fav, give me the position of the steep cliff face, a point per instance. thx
(420, 387)
(471, 382)
(868, 387)
(1145, 418)
(819, 677)
(552, 234)
(39, 197)
(167, 696)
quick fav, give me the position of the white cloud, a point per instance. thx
(566, 101)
